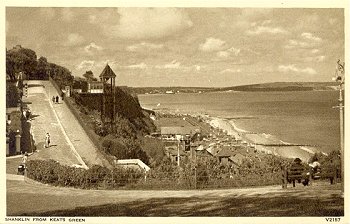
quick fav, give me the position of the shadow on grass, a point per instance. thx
(262, 206)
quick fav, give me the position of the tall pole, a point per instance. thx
(340, 78)
(341, 114)
(178, 152)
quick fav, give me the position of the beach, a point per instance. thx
(290, 124)
(261, 142)
(265, 143)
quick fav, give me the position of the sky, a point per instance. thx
(208, 47)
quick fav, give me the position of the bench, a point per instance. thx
(297, 172)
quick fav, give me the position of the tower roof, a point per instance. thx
(107, 72)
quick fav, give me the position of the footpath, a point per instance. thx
(69, 143)
(76, 134)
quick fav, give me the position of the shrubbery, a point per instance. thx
(51, 172)
(124, 148)
(165, 176)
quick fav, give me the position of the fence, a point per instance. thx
(97, 177)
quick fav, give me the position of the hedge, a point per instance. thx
(97, 177)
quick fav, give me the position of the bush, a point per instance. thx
(12, 94)
(51, 172)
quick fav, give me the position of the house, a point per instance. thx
(173, 152)
(176, 128)
(95, 87)
(224, 155)
(237, 159)
(202, 152)
(213, 150)
(135, 164)
(227, 156)
(173, 133)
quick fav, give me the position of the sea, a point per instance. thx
(298, 117)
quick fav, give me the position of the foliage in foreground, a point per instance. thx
(166, 176)
(51, 172)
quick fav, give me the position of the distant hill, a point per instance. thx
(283, 86)
(275, 86)
(169, 90)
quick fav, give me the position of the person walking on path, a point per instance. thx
(25, 159)
(53, 99)
(57, 99)
(47, 140)
(28, 113)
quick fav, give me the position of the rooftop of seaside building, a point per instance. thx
(172, 122)
(176, 126)
(177, 130)
(226, 152)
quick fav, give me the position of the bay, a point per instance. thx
(304, 117)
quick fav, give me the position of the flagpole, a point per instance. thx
(340, 78)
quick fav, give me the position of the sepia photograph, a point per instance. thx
(117, 112)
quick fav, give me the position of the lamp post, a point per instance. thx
(339, 77)
(178, 152)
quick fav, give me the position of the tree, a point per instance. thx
(12, 95)
(89, 75)
(21, 60)
(42, 69)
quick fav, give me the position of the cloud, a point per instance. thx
(67, 14)
(74, 39)
(85, 65)
(172, 65)
(92, 46)
(47, 13)
(315, 51)
(265, 30)
(227, 53)
(92, 19)
(7, 26)
(293, 68)
(297, 43)
(315, 59)
(332, 21)
(309, 36)
(212, 44)
(230, 70)
(144, 46)
(150, 23)
(306, 40)
(142, 65)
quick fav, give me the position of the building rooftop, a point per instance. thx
(107, 72)
(133, 163)
(177, 130)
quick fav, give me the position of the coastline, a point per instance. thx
(265, 143)
(262, 142)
